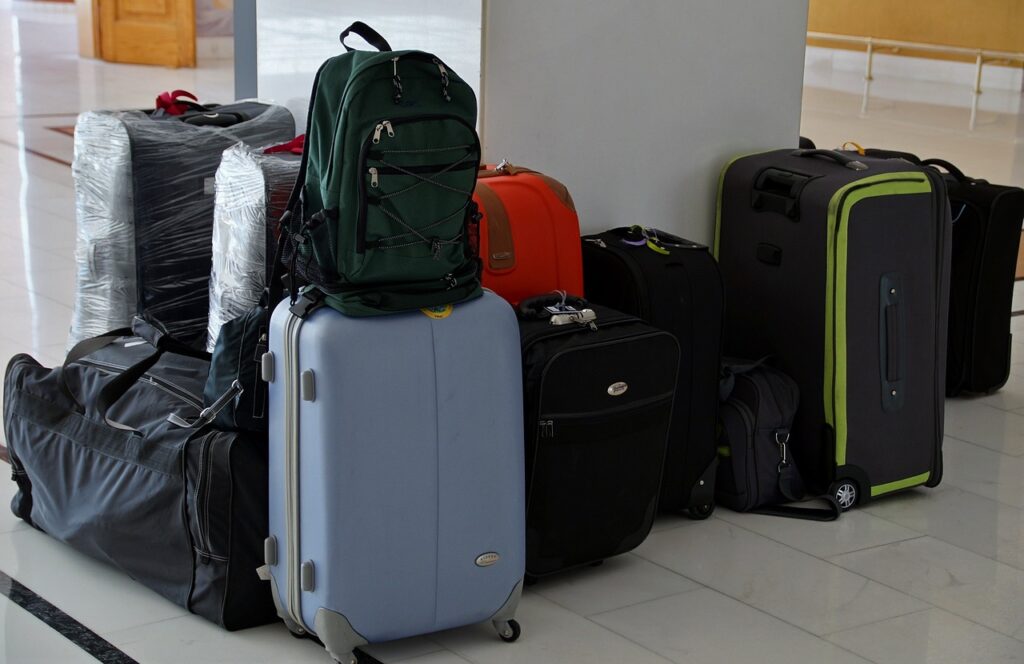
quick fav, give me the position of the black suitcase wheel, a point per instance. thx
(845, 492)
(700, 512)
(510, 631)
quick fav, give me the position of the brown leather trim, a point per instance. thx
(559, 189)
(501, 252)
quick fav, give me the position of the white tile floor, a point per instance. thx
(927, 576)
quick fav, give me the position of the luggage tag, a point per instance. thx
(565, 314)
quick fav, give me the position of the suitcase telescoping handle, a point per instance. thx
(835, 155)
(369, 35)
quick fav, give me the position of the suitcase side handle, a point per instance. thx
(836, 156)
(779, 191)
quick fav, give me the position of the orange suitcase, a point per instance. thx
(529, 233)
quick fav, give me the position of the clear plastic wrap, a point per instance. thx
(105, 296)
(252, 190)
(144, 203)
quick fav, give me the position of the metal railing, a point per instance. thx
(982, 56)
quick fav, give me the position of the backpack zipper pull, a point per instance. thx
(452, 281)
(444, 79)
(381, 126)
(396, 81)
(373, 177)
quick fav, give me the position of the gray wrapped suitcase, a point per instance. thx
(838, 266)
(144, 209)
(252, 194)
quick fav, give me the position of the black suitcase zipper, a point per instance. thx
(547, 421)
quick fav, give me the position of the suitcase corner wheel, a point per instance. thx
(846, 493)
(702, 495)
(701, 512)
(508, 630)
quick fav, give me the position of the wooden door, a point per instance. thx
(148, 32)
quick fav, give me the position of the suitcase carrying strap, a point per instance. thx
(501, 250)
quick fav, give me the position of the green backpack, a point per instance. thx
(382, 218)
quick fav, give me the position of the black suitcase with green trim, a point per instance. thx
(838, 266)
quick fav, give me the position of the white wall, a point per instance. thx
(635, 106)
(294, 38)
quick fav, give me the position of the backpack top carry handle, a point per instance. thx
(369, 35)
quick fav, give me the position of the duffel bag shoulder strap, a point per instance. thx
(116, 388)
(829, 513)
(791, 485)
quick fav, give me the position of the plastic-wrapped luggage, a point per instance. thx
(144, 206)
(252, 194)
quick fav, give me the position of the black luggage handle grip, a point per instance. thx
(371, 36)
(836, 156)
(948, 167)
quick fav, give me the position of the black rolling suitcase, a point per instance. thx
(838, 265)
(672, 284)
(598, 390)
(986, 238)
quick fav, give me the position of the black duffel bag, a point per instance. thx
(756, 469)
(114, 454)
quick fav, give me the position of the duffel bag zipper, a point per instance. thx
(374, 137)
(167, 386)
(749, 424)
(202, 499)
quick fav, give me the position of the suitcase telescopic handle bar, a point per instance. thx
(836, 156)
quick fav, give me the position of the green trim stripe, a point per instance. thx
(837, 246)
(916, 480)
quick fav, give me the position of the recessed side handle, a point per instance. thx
(892, 341)
(776, 190)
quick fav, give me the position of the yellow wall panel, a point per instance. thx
(989, 24)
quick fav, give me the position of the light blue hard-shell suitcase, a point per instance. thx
(396, 472)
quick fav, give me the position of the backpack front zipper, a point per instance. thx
(376, 136)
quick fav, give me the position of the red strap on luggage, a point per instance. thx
(295, 146)
(169, 104)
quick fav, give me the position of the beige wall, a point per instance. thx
(989, 24)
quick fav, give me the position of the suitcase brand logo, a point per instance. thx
(487, 559)
(437, 313)
(617, 389)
